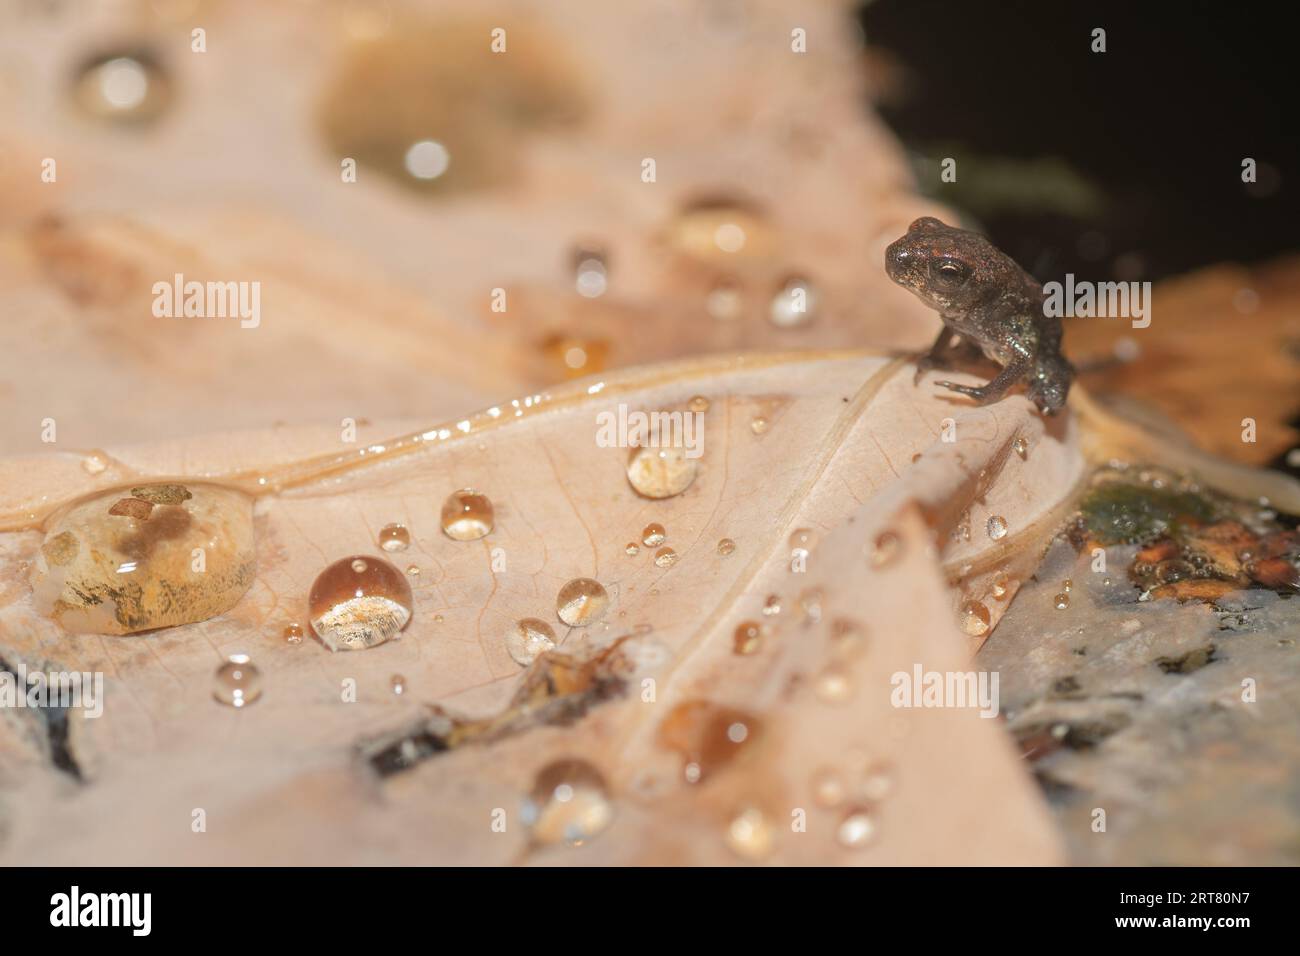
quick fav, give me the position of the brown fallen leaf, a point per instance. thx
(853, 467)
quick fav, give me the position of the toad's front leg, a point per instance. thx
(1014, 372)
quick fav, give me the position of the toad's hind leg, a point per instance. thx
(984, 394)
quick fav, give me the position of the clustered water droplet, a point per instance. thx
(359, 602)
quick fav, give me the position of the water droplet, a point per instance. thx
(759, 425)
(238, 681)
(1067, 585)
(528, 639)
(357, 603)
(1062, 601)
(877, 783)
(707, 736)
(726, 546)
(427, 159)
(716, 229)
(467, 515)
(632, 548)
(569, 804)
(661, 472)
(828, 788)
(95, 462)
(581, 602)
(189, 558)
(975, 618)
(724, 302)
(857, 829)
(772, 606)
(698, 404)
(653, 535)
(887, 549)
(1022, 448)
(394, 537)
(750, 835)
(413, 570)
(127, 87)
(293, 633)
(589, 273)
(997, 527)
(810, 602)
(398, 684)
(748, 637)
(794, 305)
(832, 685)
(665, 558)
(1002, 587)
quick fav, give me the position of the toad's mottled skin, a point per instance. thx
(988, 300)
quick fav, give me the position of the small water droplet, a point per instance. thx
(1067, 585)
(128, 86)
(801, 543)
(832, 685)
(528, 639)
(238, 681)
(661, 472)
(748, 637)
(1062, 601)
(724, 302)
(1002, 587)
(394, 537)
(975, 618)
(794, 305)
(828, 788)
(357, 603)
(1022, 448)
(427, 159)
(997, 527)
(810, 602)
(857, 829)
(95, 462)
(887, 549)
(698, 403)
(569, 804)
(293, 633)
(653, 535)
(665, 558)
(726, 546)
(413, 570)
(772, 606)
(467, 515)
(589, 273)
(848, 637)
(877, 783)
(759, 425)
(398, 684)
(581, 602)
(750, 835)
(632, 548)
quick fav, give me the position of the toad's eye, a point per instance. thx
(949, 273)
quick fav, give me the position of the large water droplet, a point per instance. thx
(174, 555)
(359, 602)
(661, 472)
(238, 681)
(528, 639)
(467, 515)
(581, 602)
(569, 804)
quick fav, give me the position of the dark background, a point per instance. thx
(1117, 165)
